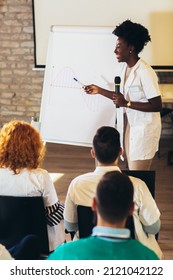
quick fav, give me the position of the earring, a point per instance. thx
(130, 51)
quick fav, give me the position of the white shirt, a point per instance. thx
(145, 127)
(35, 182)
(82, 189)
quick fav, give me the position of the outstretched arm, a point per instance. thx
(153, 104)
(93, 89)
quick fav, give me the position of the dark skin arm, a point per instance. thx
(153, 104)
(93, 89)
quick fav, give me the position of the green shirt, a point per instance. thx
(95, 248)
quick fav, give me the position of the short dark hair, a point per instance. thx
(134, 34)
(114, 196)
(106, 144)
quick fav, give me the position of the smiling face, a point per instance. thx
(123, 50)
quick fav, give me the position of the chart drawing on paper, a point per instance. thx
(67, 78)
(68, 114)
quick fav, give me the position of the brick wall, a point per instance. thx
(20, 86)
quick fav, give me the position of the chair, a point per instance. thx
(148, 176)
(87, 218)
(167, 112)
(20, 216)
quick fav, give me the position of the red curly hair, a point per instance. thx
(20, 146)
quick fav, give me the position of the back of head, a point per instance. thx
(106, 144)
(20, 146)
(114, 196)
(134, 34)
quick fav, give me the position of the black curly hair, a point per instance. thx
(134, 34)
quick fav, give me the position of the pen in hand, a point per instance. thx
(76, 80)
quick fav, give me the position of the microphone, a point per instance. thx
(117, 82)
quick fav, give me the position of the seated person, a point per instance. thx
(27, 249)
(21, 154)
(106, 150)
(110, 239)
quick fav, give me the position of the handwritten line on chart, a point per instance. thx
(66, 78)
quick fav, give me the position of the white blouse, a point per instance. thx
(37, 182)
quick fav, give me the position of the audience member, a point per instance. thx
(110, 240)
(27, 249)
(21, 155)
(106, 149)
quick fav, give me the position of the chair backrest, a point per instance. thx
(148, 176)
(20, 216)
(87, 218)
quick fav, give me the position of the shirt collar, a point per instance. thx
(104, 169)
(121, 233)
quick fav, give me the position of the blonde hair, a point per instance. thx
(20, 146)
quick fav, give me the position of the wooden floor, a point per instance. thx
(65, 162)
